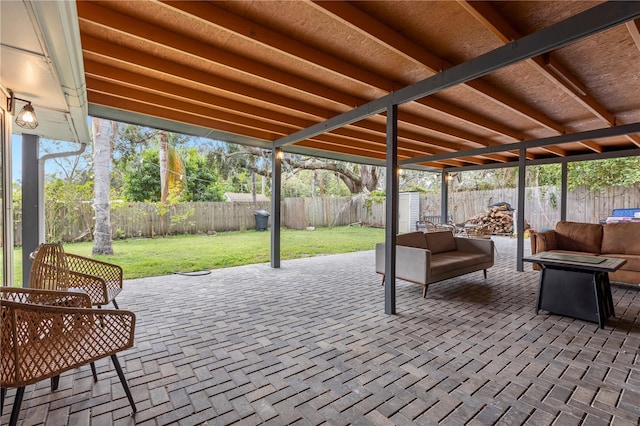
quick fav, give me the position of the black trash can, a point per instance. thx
(262, 220)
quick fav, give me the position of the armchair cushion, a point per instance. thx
(446, 261)
(440, 242)
(574, 236)
(412, 239)
(621, 238)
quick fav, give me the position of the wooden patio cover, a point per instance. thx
(260, 72)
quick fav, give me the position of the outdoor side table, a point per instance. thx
(576, 286)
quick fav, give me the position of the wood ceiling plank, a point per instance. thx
(320, 146)
(213, 15)
(152, 94)
(180, 106)
(178, 71)
(119, 77)
(210, 14)
(367, 25)
(122, 77)
(139, 59)
(127, 104)
(547, 65)
(178, 45)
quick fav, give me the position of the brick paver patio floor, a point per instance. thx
(310, 344)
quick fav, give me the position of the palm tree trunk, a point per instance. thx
(101, 185)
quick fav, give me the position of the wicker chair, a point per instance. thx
(45, 333)
(53, 269)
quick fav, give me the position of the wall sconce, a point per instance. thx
(280, 154)
(26, 118)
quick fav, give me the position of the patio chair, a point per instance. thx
(45, 333)
(53, 269)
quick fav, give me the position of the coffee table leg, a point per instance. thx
(601, 303)
(540, 288)
(607, 293)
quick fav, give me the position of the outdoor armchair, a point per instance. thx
(45, 333)
(53, 269)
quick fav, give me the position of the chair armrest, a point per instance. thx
(94, 286)
(45, 341)
(412, 264)
(109, 272)
(68, 299)
(476, 245)
(544, 241)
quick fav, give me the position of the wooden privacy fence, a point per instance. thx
(542, 210)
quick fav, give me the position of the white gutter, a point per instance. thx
(60, 33)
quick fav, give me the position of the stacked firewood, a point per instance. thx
(495, 221)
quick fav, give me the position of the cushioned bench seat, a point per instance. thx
(424, 258)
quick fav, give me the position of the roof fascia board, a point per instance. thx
(585, 24)
(625, 129)
(633, 152)
(60, 30)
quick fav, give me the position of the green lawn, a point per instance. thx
(186, 253)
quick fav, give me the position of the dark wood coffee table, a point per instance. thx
(575, 285)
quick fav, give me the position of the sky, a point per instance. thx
(16, 157)
(45, 144)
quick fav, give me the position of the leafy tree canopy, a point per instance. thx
(595, 175)
(142, 180)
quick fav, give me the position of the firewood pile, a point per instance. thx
(498, 220)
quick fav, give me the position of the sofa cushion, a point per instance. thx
(446, 261)
(576, 236)
(621, 238)
(440, 242)
(412, 239)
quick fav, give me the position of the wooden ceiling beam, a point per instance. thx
(92, 45)
(366, 129)
(210, 14)
(180, 106)
(180, 45)
(117, 76)
(606, 132)
(216, 108)
(634, 30)
(128, 104)
(547, 65)
(313, 144)
(153, 64)
(374, 29)
(253, 32)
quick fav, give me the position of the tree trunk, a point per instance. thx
(101, 185)
(163, 152)
(253, 186)
(314, 178)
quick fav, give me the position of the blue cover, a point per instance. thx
(624, 212)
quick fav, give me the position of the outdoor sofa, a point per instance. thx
(619, 240)
(425, 258)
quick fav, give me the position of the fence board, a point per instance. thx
(130, 220)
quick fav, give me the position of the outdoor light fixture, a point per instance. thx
(26, 118)
(280, 154)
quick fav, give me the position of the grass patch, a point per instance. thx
(141, 258)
